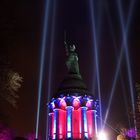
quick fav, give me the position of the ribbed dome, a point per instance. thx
(73, 84)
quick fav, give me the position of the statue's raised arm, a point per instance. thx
(65, 44)
(66, 48)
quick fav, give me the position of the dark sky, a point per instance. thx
(21, 28)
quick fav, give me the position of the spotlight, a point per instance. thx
(102, 136)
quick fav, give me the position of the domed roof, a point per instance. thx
(73, 84)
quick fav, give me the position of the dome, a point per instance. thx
(73, 84)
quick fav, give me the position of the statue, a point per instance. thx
(72, 59)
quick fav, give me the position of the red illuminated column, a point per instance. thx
(76, 124)
(59, 129)
(92, 124)
(62, 124)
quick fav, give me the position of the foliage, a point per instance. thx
(10, 82)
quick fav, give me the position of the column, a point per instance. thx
(51, 125)
(56, 124)
(92, 123)
(84, 122)
(69, 121)
(95, 120)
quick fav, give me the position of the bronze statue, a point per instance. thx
(72, 59)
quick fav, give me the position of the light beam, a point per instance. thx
(42, 56)
(116, 54)
(50, 61)
(102, 136)
(125, 30)
(96, 54)
(125, 46)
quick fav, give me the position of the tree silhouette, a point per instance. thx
(10, 82)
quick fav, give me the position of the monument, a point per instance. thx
(72, 113)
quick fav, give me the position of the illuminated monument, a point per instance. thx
(72, 113)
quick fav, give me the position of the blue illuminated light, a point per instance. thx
(69, 135)
(118, 61)
(95, 45)
(85, 120)
(84, 115)
(69, 121)
(50, 60)
(54, 136)
(51, 49)
(86, 135)
(125, 45)
(42, 56)
(114, 84)
(55, 122)
(95, 120)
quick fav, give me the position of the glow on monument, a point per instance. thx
(70, 116)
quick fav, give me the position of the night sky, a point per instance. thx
(21, 28)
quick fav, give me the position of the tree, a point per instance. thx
(10, 82)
